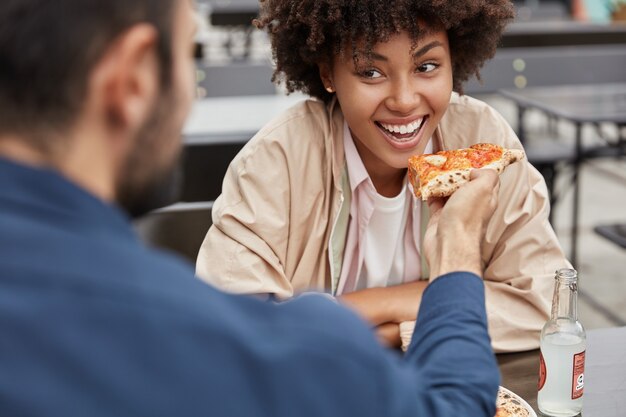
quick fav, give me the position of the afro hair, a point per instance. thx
(306, 33)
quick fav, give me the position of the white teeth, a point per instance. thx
(403, 129)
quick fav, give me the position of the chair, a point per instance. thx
(233, 17)
(615, 233)
(179, 228)
(204, 164)
(549, 157)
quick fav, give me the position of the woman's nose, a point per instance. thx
(403, 96)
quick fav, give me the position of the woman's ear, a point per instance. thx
(326, 77)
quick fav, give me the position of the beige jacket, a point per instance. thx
(281, 222)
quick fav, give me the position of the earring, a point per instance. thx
(330, 90)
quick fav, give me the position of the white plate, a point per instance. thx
(531, 412)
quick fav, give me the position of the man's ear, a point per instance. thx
(125, 82)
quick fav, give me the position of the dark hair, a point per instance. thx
(305, 33)
(48, 48)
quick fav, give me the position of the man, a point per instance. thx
(93, 95)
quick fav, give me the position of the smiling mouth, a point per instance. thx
(402, 133)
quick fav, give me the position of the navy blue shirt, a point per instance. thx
(92, 323)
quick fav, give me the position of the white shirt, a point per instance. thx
(362, 250)
(383, 263)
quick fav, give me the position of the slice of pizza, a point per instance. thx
(442, 173)
(509, 404)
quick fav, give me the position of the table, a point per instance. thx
(561, 33)
(220, 119)
(605, 373)
(520, 374)
(614, 232)
(233, 12)
(216, 130)
(579, 104)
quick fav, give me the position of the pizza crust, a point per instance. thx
(443, 185)
(510, 405)
(508, 157)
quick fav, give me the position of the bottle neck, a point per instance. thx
(564, 302)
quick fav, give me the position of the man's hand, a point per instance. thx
(457, 226)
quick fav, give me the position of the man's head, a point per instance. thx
(98, 84)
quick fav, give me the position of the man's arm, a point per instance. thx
(452, 350)
(451, 340)
(312, 357)
(450, 368)
(340, 369)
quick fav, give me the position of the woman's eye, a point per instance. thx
(428, 67)
(371, 73)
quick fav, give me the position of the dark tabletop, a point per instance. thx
(520, 374)
(580, 103)
(561, 33)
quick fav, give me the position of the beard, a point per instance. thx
(151, 176)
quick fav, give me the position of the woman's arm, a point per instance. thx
(244, 251)
(393, 304)
(386, 307)
(520, 250)
(271, 224)
(521, 253)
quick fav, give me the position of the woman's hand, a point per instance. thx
(388, 334)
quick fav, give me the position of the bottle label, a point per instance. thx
(542, 371)
(578, 379)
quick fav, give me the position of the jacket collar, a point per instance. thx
(334, 141)
(442, 140)
(45, 194)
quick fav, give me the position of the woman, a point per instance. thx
(318, 199)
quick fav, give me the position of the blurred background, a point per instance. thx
(559, 78)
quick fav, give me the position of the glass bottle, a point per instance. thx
(562, 356)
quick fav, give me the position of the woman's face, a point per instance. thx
(393, 104)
